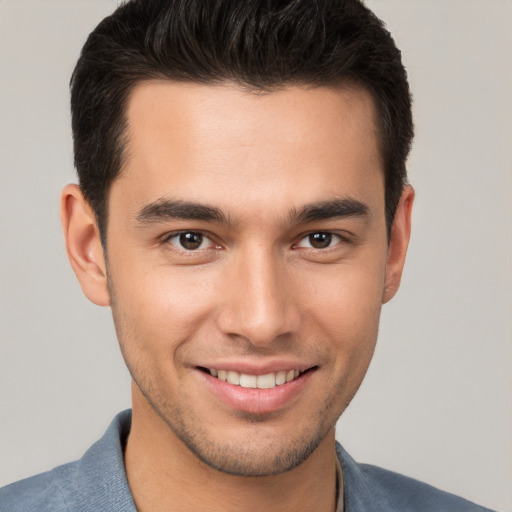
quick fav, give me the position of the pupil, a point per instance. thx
(320, 240)
(191, 240)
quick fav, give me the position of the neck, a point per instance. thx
(164, 474)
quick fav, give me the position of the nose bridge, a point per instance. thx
(259, 304)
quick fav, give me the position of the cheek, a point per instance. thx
(346, 300)
(343, 311)
(160, 307)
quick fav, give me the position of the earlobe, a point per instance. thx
(398, 243)
(83, 245)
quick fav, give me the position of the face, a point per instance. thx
(247, 264)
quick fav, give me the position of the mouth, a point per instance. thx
(257, 393)
(247, 380)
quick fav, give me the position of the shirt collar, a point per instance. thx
(101, 475)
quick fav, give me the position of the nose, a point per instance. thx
(260, 303)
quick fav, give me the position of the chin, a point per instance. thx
(253, 457)
(252, 447)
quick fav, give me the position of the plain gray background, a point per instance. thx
(437, 402)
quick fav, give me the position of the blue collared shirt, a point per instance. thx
(97, 482)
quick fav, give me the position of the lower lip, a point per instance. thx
(254, 400)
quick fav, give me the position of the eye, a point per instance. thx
(189, 241)
(319, 240)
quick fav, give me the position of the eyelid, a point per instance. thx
(166, 239)
(338, 237)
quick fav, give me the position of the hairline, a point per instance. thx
(346, 83)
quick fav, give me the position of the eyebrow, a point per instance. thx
(164, 209)
(331, 209)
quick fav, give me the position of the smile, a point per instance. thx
(245, 380)
(257, 390)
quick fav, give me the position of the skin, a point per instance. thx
(258, 291)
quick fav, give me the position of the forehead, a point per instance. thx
(228, 145)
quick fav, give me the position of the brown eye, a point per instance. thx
(189, 241)
(320, 240)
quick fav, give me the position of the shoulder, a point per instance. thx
(369, 487)
(403, 493)
(95, 482)
(39, 493)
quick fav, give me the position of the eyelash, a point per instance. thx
(179, 234)
(205, 237)
(330, 235)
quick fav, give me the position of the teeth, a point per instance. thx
(248, 381)
(267, 381)
(245, 380)
(280, 378)
(233, 378)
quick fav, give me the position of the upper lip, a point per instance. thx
(252, 368)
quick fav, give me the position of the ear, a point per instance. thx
(398, 242)
(83, 245)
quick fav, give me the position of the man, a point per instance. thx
(243, 209)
